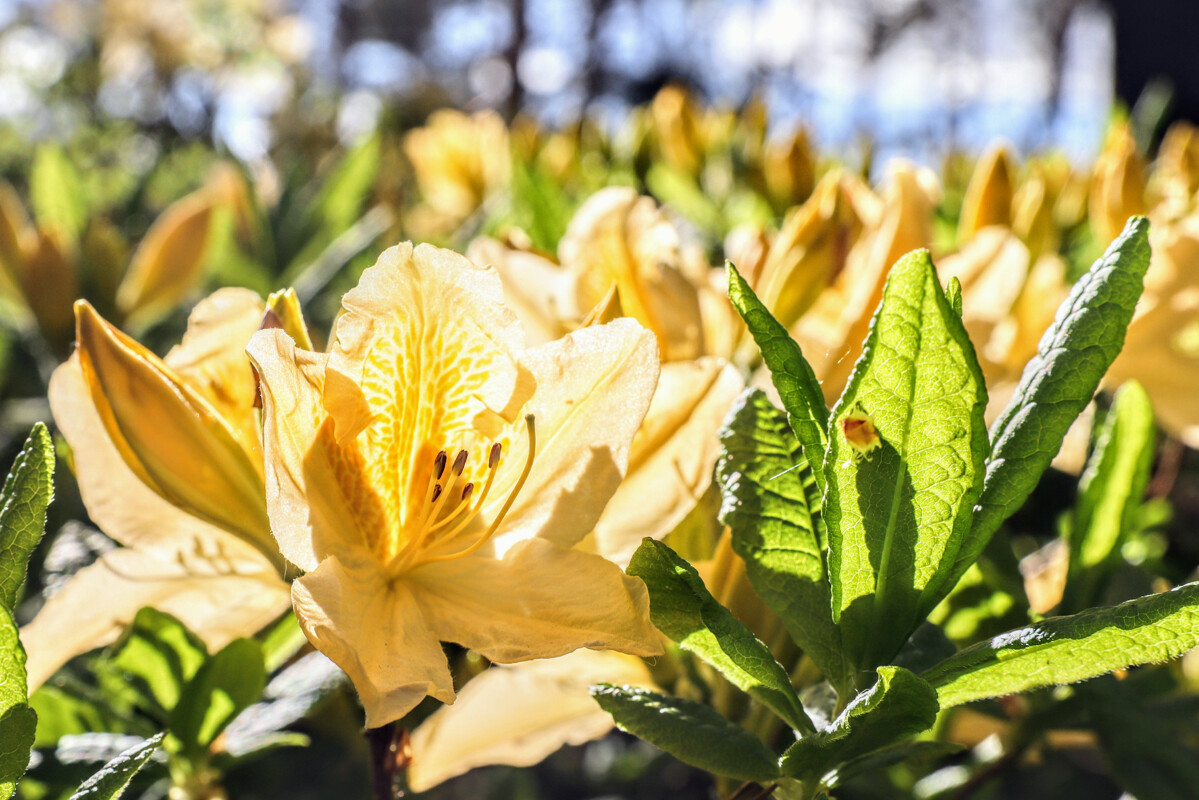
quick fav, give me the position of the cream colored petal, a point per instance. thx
(116, 499)
(211, 358)
(377, 633)
(314, 497)
(622, 239)
(992, 268)
(593, 389)
(539, 601)
(832, 331)
(220, 600)
(519, 714)
(672, 457)
(809, 251)
(537, 290)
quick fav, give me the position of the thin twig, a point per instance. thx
(391, 752)
(740, 790)
(766, 792)
(1168, 468)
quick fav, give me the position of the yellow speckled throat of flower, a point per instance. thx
(431, 476)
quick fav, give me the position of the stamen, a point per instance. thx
(499, 518)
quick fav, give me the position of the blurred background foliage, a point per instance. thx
(151, 152)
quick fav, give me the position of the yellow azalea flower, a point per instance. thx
(988, 199)
(679, 129)
(1117, 185)
(519, 714)
(623, 241)
(36, 269)
(618, 238)
(789, 168)
(1161, 349)
(431, 477)
(166, 456)
(40, 268)
(811, 248)
(459, 160)
(169, 262)
(832, 331)
(1175, 177)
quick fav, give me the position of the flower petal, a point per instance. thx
(168, 434)
(218, 599)
(539, 601)
(117, 500)
(593, 389)
(620, 238)
(519, 714)
(211, 358)
(537, 290)
(375, 631)
(672, 457)
(170, 259)
(311, 483)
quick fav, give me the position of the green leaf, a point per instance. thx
(111, 781)
(161, 655)
(540, 204)
(56, 194)
(27, 492)
(927, 646)
(316, 233)
(693, 733)
(898, 513)
(771, 505)
(282, 642)
(791, 373)
(1148, 752)
(897, 706)
(678, 189)
(1058, 383)
(953, 293)
(18, 723)
(922, 752)
(1068, 649)
(62, 713)
(683, 609)
(1110, 494)
(224, 686)
(345, 192)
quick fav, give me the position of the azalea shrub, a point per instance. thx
(877, 508)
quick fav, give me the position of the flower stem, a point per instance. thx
(391, 752)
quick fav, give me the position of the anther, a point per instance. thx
(439, 466)
(466, 490)
(495, 523)
(459, 462)
(436, 492)
(493, 458)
